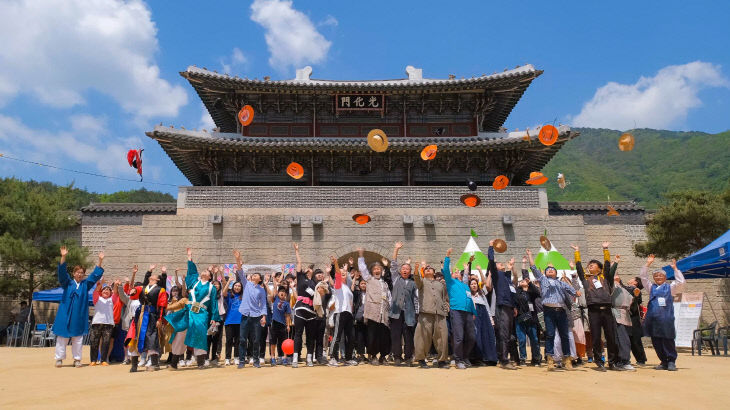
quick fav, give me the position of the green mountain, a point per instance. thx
(661, 162)
(76, 198)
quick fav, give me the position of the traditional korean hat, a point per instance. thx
(377, 140)
(470, 200)
(548, 134)
(612, 211)
(295, 170)
(500, 245)
(500, 182)
(245, 116)
(361, 219)
(626, 142)
(536, 178)
(429, 152)
(545, 243)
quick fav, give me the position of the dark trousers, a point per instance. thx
(503, 321)
(378, 339)
(262, 339)
(344, 336)
(665, 349)
(637, 348)
(401, 337)
(99, 336)
(277, 335)
(462, 328)
(557, 319)
(361, 337)
(319, 341)
(624, 344)
(214, 342)
(603, 319)
(233, 332)
(300, 326)
(250, 330)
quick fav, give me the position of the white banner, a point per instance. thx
(687, 314)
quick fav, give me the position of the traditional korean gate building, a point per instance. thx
(241, 196)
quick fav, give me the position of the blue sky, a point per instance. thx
(81, 82)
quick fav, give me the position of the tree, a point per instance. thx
(29, 218)
(690, 221)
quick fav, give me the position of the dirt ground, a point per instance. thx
(28, 379)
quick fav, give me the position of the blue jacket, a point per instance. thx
(459, 293)
(501, 281)
(72, 318)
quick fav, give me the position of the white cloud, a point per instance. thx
(58, 50)
(236, 59)
(662, 101)
(290, 35)
(73, 148)
(330, 20)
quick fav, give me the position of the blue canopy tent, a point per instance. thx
(55, 295)
(712, 261)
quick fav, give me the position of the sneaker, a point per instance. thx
(250, 361)
(104, 364)
(590, 360)
(92, 364)
(189, 363)
(272, 362)
(671, 367)
(236, 361)
(628, 367)
(285, 361)
(435, 363)
(640, 364)
(351, 363)
(374, 362)
(77, 363)
(600, 367)
(126, 361)
(508, 366)
(397, 361)
(257, 364)
(279, 361)
(59, 363)
(227, 362)
(310, 363)
(321, 360)
(409, 362)
(443, 365)
(422, 364)
(241, 365)
(461, 366)
(294, 364)
(207, 363)
(453, 362)
(332, 363)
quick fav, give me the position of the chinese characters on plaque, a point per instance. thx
(360, 102)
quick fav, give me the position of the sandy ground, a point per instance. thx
(28, 379)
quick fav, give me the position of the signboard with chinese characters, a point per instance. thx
(360, 102)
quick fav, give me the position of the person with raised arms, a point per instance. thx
(402, 310)
(461, 311)
(377, 306)
(72, 318)
(659, 319)
(433, 302)
(200, 312)
(304, 314)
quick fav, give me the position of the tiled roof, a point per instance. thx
(152, 207)
(168, 136)
(195, 72)
(185, 147)
(594, 206)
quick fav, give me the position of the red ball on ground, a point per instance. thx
(287, 346)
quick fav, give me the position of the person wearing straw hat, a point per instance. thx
(504, 312)
(659, 319)
(598, 286)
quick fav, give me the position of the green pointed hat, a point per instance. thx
(472, 249)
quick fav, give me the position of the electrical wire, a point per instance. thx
(2, 156)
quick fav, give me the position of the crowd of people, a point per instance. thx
(401, 313)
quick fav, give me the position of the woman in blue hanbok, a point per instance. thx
(72, 319)
(200, 312)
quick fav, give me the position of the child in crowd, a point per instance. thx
(280, 321)
(103, 322)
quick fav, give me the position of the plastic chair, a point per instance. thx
(722, 339)
(705, 335)
(38, 335)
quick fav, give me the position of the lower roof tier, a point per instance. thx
(230, 159)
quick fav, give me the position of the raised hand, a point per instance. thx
(528, 253)
(491, 243)
(605, 245)
(360, 251)
(512, 262)
(650, 260)
(674, 264)
(351, 261)
(385, 261)
(190, 254)
(448, 252)
(524, 259)
(575, 247)
(152, 268)
(471, 259)
(101, 256)
(328, 270)
(572, 265)
(64, 251)
(236, 254)
(135, 269)
(163, 269)
(333, 260)
(296, 246)
(215, 269)
(398, 245)
(617, 258)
